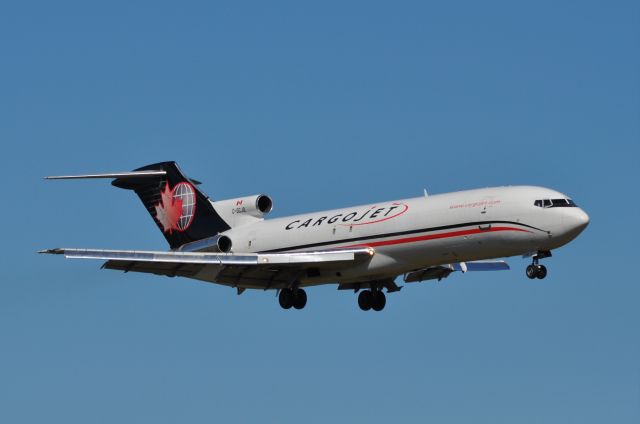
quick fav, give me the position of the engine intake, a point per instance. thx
(264, 204)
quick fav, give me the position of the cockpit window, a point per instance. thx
(555, 203)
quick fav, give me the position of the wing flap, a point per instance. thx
(157, 268)
(431, 273)
(442, 271)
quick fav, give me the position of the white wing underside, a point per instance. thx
(257, 270)
(243, 270)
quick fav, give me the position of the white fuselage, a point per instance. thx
(420, 232)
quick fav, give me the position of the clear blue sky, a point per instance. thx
(319, 105)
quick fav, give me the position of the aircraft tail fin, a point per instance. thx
(182, 212)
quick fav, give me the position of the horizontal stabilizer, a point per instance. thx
(181, 210)
(134, 174)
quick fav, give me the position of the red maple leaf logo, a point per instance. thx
(169, 210)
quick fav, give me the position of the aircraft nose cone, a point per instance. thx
(577, 221)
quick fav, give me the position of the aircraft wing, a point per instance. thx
(250, 270)
(442, 271)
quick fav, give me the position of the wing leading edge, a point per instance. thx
(241, 259)
(250, 270)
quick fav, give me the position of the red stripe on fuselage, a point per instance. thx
(436, 236)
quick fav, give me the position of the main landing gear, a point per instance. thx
(535, 270)
(292, 297)
(372, 299)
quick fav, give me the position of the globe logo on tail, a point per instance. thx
(177, 207)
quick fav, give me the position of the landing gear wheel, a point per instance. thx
(299, 298)
(378, 301)
(285, 298)
(365, 299)
(535, 270)
(541, 272)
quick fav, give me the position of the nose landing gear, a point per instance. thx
(535, 270)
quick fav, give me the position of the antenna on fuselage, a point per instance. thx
(425, 193)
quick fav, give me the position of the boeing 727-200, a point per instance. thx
(362, 248)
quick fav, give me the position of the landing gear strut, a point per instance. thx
(535, 270)
(372, 299)
(292, 297)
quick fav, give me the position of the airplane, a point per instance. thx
(362, 248)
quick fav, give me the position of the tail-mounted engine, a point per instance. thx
(244, 210)
(219, 243)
